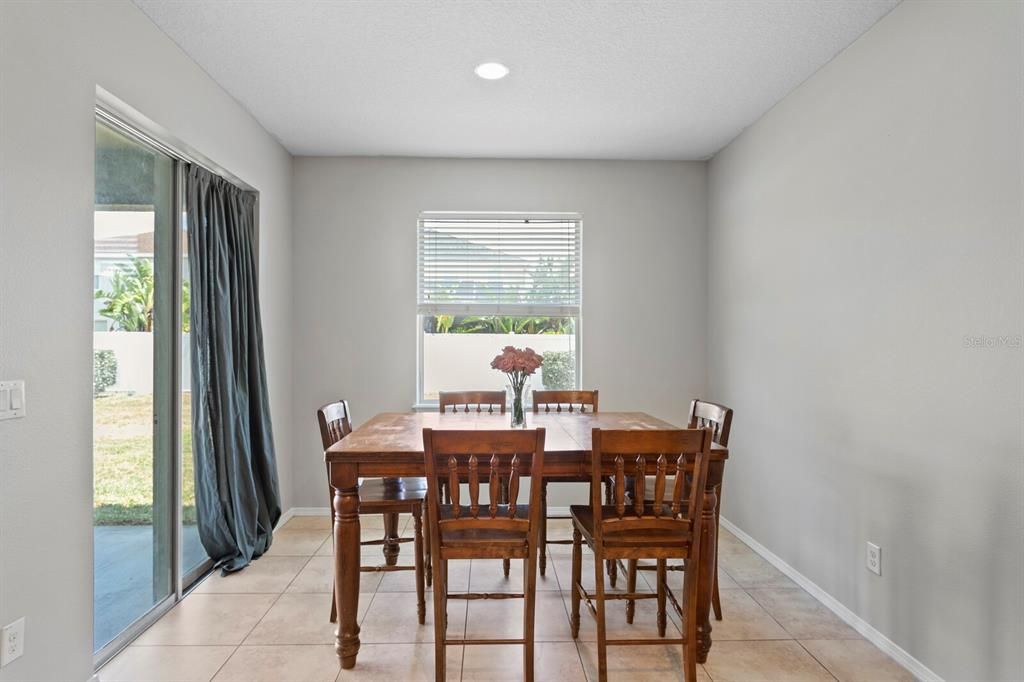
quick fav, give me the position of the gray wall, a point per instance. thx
(52, 57)
(644, 277)
(858, 233)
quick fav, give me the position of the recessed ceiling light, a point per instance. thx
(491, 71)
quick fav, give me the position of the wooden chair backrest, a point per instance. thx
(468, 399)
(335, 422)
(573, 401)
(454, 456)
(682, 453)
(717, 417)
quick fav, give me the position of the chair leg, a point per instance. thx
(439, 619)
(662, 587)
(602, 636)
(716, 600)
(391, 544)
(428, 576)
(529, 617)
(577, 577)
(689, 609)
(421, 603)
(542, 546)
(444, 580)
(613, 566)
(334, 607)
(631, 587)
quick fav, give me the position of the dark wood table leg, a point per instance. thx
(708, 554)
(345, 482)
(391, 544)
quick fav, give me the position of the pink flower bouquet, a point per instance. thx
(518, 364)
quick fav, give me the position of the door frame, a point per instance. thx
(167, 406)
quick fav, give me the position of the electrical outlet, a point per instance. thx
(874, 558)
(12, 643)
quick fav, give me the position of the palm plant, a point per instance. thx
(129, 302)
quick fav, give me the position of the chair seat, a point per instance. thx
(377, 497)
(676, 541)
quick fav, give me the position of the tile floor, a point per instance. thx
(270, 624)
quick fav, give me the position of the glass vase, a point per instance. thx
(518, 411)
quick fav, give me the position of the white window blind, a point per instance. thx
(499, 265)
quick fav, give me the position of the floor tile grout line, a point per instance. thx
(575, 641)
(260, 620)
(746, 591)
(221, 667)
(579, 655)
(237, 646)
(769, 614)
(821, 663)
(296, 576)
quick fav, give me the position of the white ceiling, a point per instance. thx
(590, 79)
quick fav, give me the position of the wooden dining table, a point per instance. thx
(391, 445)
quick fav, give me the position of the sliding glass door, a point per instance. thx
(194, 560)
(145, 545)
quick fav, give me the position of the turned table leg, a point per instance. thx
(391, 545)
(346, 560)
(708, 554)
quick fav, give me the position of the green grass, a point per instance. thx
(123, 460)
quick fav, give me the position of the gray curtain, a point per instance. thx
(237, 497)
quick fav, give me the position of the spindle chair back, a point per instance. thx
(471, 401)
(665, 526)
(473, 528)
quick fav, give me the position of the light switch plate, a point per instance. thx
(12, 399)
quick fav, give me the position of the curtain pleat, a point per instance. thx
(237, 496)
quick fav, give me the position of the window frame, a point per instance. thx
(421, 405)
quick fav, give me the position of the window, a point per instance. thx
(492, 280)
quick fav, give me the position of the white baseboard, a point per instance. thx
(897, 653)
(310, 511)
(292, 512)
(285, 518)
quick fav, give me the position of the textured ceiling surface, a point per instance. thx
(590, 79)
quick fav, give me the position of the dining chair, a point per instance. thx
(488, 530)
(719, 419)
(449, 402)
(389, 497)
(471, 399)
(572, 402)
(660, 529)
